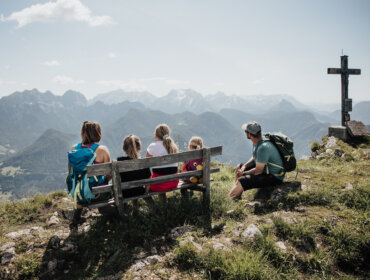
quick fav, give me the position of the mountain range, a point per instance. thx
(39, 128)
(182, 100)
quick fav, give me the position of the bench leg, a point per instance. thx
(206, 180)
(118, 198)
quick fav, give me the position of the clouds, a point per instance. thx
(51, 63)
(165, 80)
(61, 10)
(112, 55)
(130, 85)
(140, 84)
(65, 80)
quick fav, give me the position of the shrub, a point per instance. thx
(186, 257)
(28, 266)
(358, 199)
(351, 249)
(348, 157)
(301, 234)
(315, 146)
(239, 264)
(267, 247)
(25, 211)
(317, 261)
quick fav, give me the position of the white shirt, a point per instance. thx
(157, 149)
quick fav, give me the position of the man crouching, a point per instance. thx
(265, 167)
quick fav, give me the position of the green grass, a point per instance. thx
(328, 239)
(24, 211)
(240, 264)
(28, 266)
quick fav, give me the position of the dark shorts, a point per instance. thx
(258, 181)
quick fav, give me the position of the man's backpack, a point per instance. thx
(79, 186)
(285, 148)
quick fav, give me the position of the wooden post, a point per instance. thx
(118, 197)
(206, 179)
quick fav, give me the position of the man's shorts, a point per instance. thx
(258, 181)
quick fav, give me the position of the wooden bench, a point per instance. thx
(116, 167)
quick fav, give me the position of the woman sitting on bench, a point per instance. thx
(163, 145)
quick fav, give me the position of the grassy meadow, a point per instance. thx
(314, 226)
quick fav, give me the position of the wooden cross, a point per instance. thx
(345, 72)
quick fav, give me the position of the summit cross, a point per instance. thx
(345, 72)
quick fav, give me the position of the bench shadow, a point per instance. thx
(274, 198)
(109, 245)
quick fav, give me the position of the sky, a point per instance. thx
(238, 47)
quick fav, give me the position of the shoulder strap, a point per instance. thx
(94, 146)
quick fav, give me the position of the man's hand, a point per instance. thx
(239, 170)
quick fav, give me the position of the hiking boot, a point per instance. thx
(76, 219)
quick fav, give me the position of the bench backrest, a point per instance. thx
(114, 168)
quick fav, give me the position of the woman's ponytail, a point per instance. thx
(162, 131)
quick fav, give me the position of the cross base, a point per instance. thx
(339, 132)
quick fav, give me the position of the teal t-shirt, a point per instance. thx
(266, 152)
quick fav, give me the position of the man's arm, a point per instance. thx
(257, 170)
(249, 163)
(242, 167)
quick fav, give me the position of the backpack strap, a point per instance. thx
(94, 146)
(282, 173)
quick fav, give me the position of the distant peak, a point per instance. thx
(71, 91)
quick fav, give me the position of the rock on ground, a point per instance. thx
(251, 232)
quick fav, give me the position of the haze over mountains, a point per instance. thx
(39, 128)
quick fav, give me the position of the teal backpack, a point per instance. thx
(79, 186)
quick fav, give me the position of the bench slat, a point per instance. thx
(99, 169)
(166, 178)
(180, 187)
(106, 168)
(101, 189)
(163, 160)
(101, 204)
(133, 184)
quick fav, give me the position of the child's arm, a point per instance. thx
(183, 167)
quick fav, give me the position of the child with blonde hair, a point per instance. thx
(195, 143)
(163, 145)
(132, 146)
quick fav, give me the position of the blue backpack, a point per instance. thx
(79, 186)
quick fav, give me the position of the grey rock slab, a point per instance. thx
(190, 239)
(55, 242)
(237, 230)
(8, 255)
(7, 246)
(179, 231)
(217, 246)
(305, 187)
(230, 212)
(251, 231)
(154, 259)
(252, 204)
(281, 245)
(332, 141)
(348, 187)
(54, 220)
(52, 265)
